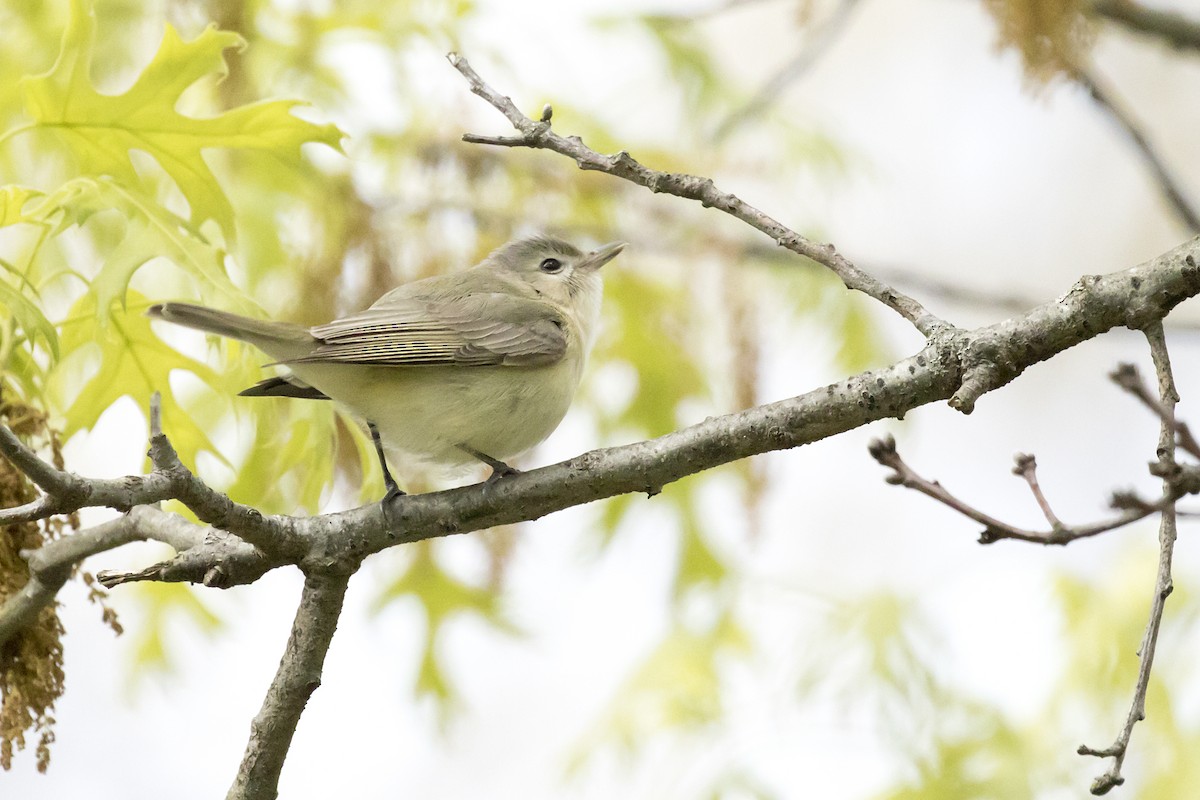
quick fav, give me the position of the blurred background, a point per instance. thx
(785, 627)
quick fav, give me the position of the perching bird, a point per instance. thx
(480, 364)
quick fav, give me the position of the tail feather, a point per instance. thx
(282, 340)
(284, 386)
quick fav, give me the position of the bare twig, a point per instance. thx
(298, 676)
(1128, 378)
(884, 451)
(1166, 181)
(540, 135)
(1026, 467)
(1170, 26)
(1168, 397)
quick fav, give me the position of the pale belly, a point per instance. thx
(427, 412)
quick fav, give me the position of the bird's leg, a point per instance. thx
(389, 483)
(499, 468)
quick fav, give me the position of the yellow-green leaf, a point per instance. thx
(135, 363)
(100, 130)
(28, 318)
(12, 200)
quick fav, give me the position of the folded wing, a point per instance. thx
(481, 329)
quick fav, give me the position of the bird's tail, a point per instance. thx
(282, 340)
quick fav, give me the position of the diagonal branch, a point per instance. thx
(693, 187)
(1127, 377)
(298, 676)
(1163, 177)
(1171, 27)
(1163, 585)
(818, 43)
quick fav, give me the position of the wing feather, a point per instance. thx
(480, 329)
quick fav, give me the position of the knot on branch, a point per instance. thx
(984, 365)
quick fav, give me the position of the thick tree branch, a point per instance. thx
(960, 365)
(1170, 26)
(298, 676)
(693, 187)
(1168, 397)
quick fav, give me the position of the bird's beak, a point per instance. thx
(601, 256)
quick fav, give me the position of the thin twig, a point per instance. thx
(884, 451)
(50, 565)
(818, 42)
(1167, 183)
(298, 676)
(169, 480)
(540, 135)
(1128, 378)
(1168, 397)
(1026, 467)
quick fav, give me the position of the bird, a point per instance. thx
(476, 365)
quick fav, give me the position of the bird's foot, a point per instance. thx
(499, 468)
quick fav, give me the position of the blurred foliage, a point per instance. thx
(1052, 36)
(442, 596)
(167, 606)
(877, 659)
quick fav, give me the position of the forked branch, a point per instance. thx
(1163, 584)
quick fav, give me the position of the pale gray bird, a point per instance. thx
(480, 364)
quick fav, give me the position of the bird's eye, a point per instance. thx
(550, 265)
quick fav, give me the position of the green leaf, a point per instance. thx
(12, 200)
(133, 362)
(655, 345)
(28, 318)
(100, 130)
(294, 443)
(152, 231)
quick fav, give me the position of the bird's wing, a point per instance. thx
(479, 329)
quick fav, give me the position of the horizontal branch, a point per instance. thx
(959, 365)
(693, 187)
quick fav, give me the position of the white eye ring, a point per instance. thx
(550, 265)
